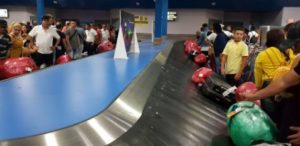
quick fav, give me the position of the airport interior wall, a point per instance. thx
(188, 20)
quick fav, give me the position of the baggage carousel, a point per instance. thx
(147, 100)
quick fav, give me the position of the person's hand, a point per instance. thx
(248, 97)
(295, 139)
(68, 49)
(237, 77)
(53, 48)
(34, 49)
(210, 51)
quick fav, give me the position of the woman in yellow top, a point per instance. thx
(265, 65)
(271, 58)
(17, 41)
(18, 49)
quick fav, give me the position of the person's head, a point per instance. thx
(287, 28)
(274, 38)
(59, 26)
(88, 26)
(238, 34)
(293, 37)
(73, 24)
(67, 23)
(52, 19)
(46, 21)
(24, 29)
(217, 28)
(17, 29)
(3, 27)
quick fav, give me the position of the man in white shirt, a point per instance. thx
(104, 33)
(91, 35)
(44, 36)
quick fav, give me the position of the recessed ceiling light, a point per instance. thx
(55, 2)
(138, 3)
(213, 3)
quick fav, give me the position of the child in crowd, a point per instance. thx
(234, 58)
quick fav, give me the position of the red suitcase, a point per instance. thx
(18, 66)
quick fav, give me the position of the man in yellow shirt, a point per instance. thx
(234, 58)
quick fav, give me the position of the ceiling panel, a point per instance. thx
(233, 5)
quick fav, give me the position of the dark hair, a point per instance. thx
(297, 47)
(59, 26)
(89, 25)
(246, 30)
(252, 28)
(217, 28)
(46, 18)
(202, 29)
(3, 23)
(204, 25)
(239, 29)
(274, 38)
(288, 26)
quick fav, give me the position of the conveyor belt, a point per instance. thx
(176, 113)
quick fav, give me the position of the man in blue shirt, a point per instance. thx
(219, 45)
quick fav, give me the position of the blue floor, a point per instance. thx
(64, 95)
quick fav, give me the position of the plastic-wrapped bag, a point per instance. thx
(17, 66)
(105, 46)
(201, 74)
(247, 124)
(200, 59)
(63, 59)
(246, 88)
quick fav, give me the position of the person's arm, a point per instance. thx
(290, 79)
(223, 62)
(243, 65)
(68, 41)
(57, 37)
(30, 36)
(224, 57)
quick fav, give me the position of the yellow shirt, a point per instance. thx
(265, 65)
(16, 48)
(234, 51)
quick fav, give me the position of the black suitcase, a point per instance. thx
(216, 88)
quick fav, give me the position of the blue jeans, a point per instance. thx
(218, 65)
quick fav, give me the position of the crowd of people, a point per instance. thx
(276, 70)
(46, 42)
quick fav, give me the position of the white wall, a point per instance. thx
(290, 13)
(188, 20)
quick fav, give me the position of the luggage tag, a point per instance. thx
(229, 91)
(238, 110)
(233, 113)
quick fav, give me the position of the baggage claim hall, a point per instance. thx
(149, 73)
